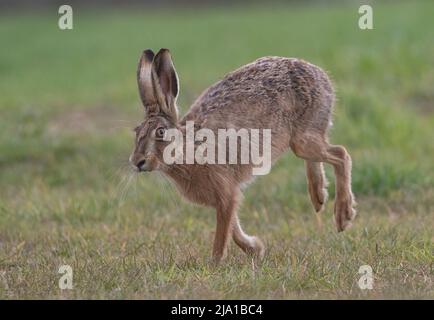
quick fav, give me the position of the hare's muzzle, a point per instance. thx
(139, 165)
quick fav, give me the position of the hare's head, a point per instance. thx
(158, 87)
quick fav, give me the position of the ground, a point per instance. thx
(69, 102)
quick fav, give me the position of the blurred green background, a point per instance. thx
(68, 102)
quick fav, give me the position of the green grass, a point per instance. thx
(68, 100)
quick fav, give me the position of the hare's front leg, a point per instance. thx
(228, 223)
(225, 214)
(249, 244)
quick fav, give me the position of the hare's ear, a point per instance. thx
(166, 83)
(145, 82)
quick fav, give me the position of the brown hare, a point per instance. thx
(291, 97)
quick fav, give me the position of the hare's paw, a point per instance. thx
(256, 248)
(344, 213)
(319, 197)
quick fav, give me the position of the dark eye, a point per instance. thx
(159, 133)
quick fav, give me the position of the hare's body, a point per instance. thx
(281, 94)
(272, 92)
(291, 97)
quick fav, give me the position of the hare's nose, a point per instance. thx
(140, 164)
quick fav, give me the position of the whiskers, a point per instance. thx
(133, 186)
(169, 190)
(126, 177)
(126, 187)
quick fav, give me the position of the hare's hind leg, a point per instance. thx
(339, 157)
(250, 245)
(317, 184)
(314, 147)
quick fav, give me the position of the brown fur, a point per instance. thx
(291, 97)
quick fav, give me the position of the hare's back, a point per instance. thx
(269, 89)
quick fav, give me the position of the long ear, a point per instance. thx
(145, 83)
(166, 83)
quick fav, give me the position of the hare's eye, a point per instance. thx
(159, 133)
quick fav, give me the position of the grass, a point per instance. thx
(68, 101)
